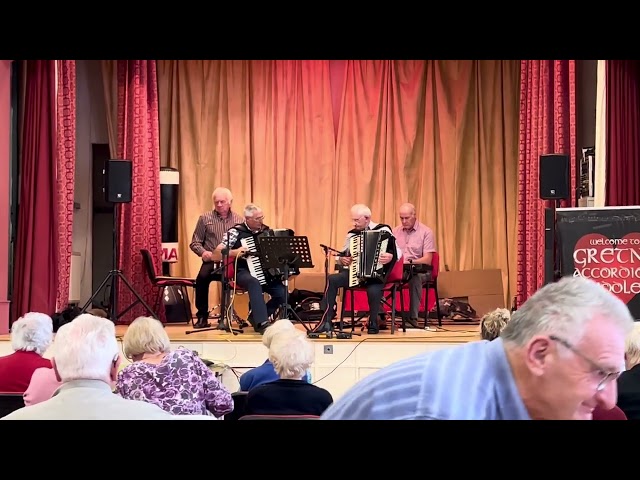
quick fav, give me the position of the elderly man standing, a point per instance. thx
(418, 243)
(207, 235)
(558, 358)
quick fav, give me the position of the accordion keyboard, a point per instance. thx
(253, 262)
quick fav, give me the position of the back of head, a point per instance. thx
(493, 322)
(86, 349)
(632, 347)
(565, 308)
(32, 332)
(277, 328)
(145, 335)
(292, 354)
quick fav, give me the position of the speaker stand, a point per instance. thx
(113, 276)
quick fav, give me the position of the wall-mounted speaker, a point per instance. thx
(554, 177)
(118, 181)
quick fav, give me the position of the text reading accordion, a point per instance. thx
(255, 262)
(365, 248)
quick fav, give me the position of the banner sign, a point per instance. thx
(602, 244)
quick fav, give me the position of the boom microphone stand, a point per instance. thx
(113, 276)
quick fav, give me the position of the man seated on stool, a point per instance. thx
(207, 235)
(418, 243)
(361, 218)
(252, 226)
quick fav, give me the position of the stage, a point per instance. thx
(338, 365)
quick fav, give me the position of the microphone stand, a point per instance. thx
(326, 263)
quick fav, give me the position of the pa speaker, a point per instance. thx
(117, 181)
(554, 177)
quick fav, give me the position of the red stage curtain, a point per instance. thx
(547, 125)
(36, 262)
(622, 132)
(138, 141)
(66, 162)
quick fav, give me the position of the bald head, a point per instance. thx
(407, 214)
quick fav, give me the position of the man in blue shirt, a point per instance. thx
(558, 358)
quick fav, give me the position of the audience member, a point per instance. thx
(31, 336)
(177, 381)
(292, 354)
(266, 373)
(629, 381)
(492, 323)
(86, 359)
(558, 358)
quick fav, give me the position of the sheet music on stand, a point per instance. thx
(292, 250)
(286, 253)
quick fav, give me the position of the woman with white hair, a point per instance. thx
(31, 336)
(292, 354)
(629, 381)
(266, 373)
(177, 381)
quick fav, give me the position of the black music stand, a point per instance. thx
(286, 253)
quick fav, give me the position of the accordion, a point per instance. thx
(365, 248)
(255, 262)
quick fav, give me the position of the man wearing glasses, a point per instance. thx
(558, 358)
(252, 227)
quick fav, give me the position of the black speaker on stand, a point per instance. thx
(555, 185)
(117, 188)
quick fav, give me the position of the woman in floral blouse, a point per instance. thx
(177, 381)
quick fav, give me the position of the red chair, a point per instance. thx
(162, 282)
(388, 292)
(233, 289)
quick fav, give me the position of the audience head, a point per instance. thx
(360, 216)
(407, 215)
(32, 332)
(98, 312)
(145, 335)
(86, 349)
(222, 200)
(254, 216)
(276, 329)
(632, 347)
(566, 348)
(292, 354)
(493, 322)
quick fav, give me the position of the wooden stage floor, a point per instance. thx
(445, 334)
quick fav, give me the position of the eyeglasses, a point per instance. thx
(605, 376)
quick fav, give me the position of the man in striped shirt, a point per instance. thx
(558, 358)
(207, 235)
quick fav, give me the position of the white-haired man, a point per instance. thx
(558, 358)
(291, 353)
(31, 336)
(208, 234)
(361, 218)
(418, 245)
(86, 359)
(253, 226)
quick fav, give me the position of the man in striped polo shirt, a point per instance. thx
(208, 234)
(558, 358)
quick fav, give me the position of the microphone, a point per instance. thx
(225, 251)
(340, 254)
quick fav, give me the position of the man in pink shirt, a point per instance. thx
(418, 244)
